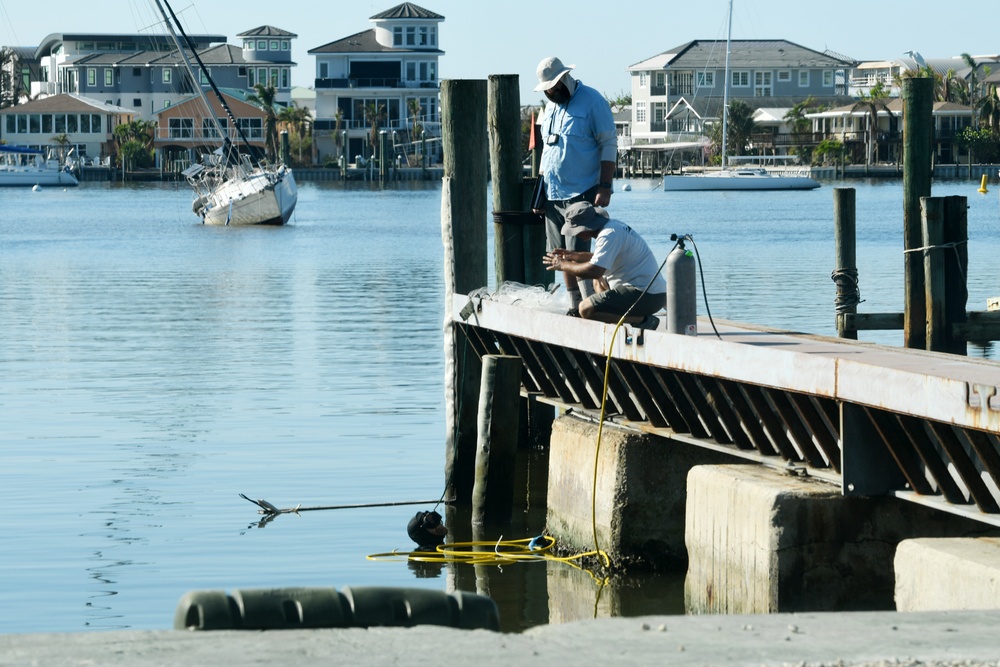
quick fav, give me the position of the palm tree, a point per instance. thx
(798, 124)
(741, 126)
(374, 117)
(264, 99)
(876, 100)
(989, 109)
(135, 141)
(299, 120)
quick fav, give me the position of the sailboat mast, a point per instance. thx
(725, 89)
(190, 69)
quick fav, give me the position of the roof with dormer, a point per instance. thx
(744, 53)
(365, 42)
(267, 31)
(407, 10)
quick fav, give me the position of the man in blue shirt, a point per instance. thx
(579, 154)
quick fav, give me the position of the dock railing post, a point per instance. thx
(463, 231)
(846, 273)
(932, 224)
(918, 98)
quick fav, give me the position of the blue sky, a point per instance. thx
(480, 39)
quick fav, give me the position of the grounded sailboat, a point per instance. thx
(229, 188)
(744, 178)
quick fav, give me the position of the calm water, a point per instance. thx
(152, 369)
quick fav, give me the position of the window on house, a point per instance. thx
(47, 123)
(180, 128)
(642, 79)
(285, 45)
(411, 35)
(137, 102)
(72, 123)
(262, 45)
(274, 77)
(397, 36)
(705, 79)
(324, 70)
(35, 123)
(285, 73)
(803, 78)
(203, 75)
(411, 71)
(424, 37)
(166, 75)
(762, 84)
(740, 79)
(91, 76)
(136, 71)
(95, 122)
(208, 129)
(262, 76)
(784, 76)
(85, 123)
(253, 128)
(828, 78)
(274, 45)
(11, 123)
(640, 112)
(109, 77)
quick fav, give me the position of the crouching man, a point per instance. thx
(622, 266)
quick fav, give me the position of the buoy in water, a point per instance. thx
(626, 188)
(982, 187)
(36, 188)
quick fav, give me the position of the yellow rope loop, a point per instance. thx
(503, 552)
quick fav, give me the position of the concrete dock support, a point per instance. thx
(640, 492)
(760, 541)
(948, 574)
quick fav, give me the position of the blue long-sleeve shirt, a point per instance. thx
(586, 135)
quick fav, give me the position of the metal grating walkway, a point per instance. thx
(872, 419)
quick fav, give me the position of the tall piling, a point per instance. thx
(845, 275)
(918, 128)
(463, 228)
(504, 117)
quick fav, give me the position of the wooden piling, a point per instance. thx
(504, 118)
(956, 235)
(846, 273)
(463, 223)
(932, 226)
(496, 448)
(918, 98)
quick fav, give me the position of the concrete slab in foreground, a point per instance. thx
(863, 638)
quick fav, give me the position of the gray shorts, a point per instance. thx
(618, 300)
(554, 221)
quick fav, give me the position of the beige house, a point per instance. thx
(85, 125)
(185, 131)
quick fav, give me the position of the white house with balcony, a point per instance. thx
(386, 79)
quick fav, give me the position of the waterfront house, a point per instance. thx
(145, 73)
(67, 121)
(185, 131)
(679, 92)
(849, 125)
(377, 90)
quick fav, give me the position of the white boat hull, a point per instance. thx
(255, 201)
(20, 177)
(749, 179)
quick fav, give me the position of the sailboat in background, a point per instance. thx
(229, 188)
(741, 178)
